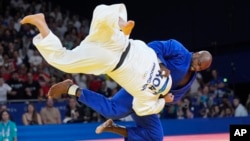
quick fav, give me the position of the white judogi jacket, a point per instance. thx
(100, 52)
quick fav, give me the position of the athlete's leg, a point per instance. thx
(148, 128)
(120, 105)
(110, 126)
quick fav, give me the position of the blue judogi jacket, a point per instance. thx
(178, 60)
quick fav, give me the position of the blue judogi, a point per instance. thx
(174, 56)
(177, 59)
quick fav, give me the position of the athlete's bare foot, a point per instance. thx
(37, 20)
(33, 19)
(127, 29)
(107, 124)
(59, 88)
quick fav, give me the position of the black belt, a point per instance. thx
(124, 54)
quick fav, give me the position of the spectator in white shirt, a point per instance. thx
(4, 90)
(36, 59)
(240, 109)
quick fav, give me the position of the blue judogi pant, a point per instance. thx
(148, 128)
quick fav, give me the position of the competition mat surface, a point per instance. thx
(199, 137)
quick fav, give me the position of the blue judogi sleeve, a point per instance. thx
(174, 56)
(178, 60)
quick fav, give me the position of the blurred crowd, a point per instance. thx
(25, 75)
(210, 96)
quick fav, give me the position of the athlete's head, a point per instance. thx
(201, 60)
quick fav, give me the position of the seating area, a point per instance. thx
(77, 132)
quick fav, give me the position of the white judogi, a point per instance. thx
(100, 52)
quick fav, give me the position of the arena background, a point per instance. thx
(222, 27)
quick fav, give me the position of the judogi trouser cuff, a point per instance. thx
(73, 90)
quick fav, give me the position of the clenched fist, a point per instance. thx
(169, 98)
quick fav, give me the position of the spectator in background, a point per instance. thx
(111, 84)
(180, 114)
(225, 102)
(31, 116)
(240, 110)
(169, 112)
(196, 85)
(42, 73)
(44, 88)
(27, 46)
(104, 89)
(7, 127)
(226, 107)
(50, 114)
(248, 104)
(17, 86)
(188, 108)
(228, 112)
(87, 114)
(3, 107)
(22, 71)
(96, 117)
(74, 113)
(2, 51)
(35, 60)
(215, 111)
(205, 112)
(4, 90)
(81, 79)
(95, 82)
(4, 73)
(32, 88)
(17, 60)
(218, 85)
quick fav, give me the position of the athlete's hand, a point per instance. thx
(169, 98)
(164, 71)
